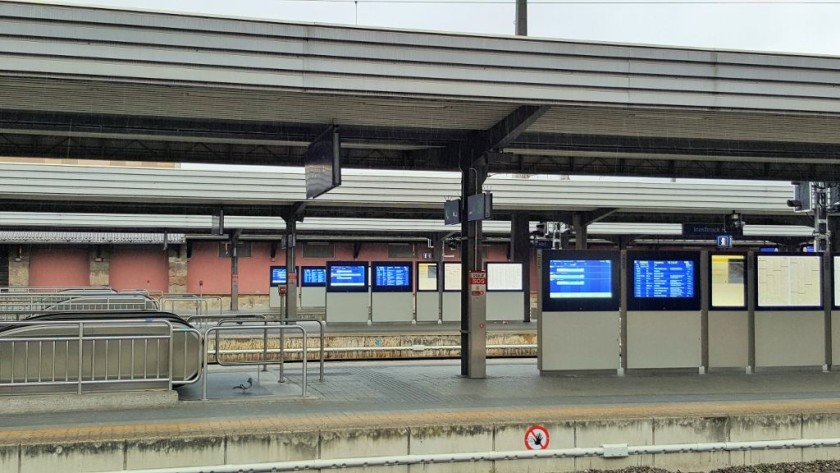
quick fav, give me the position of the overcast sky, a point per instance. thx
(798, 27)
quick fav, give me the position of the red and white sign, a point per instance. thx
(536, 438)
(478, 283)
(292, 278)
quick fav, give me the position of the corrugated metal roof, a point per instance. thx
(373, 189)
(90, 237)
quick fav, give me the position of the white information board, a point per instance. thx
(788, 281)
(427, 277)
(504, 276)
(836, 281)
(451, 276)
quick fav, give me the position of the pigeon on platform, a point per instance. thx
(246, 385)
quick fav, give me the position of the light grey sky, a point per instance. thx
(798, 27)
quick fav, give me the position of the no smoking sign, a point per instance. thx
(536, 438)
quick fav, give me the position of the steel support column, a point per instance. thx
(234, 270)
(291, 275)
(520, 252)
(473, 309)
(580, 231)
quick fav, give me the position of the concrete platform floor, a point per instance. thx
(416, 393)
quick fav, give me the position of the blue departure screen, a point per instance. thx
(313, 276)
(392, 276)
(348, 275)
(669, 279)
(578, 278)
(278, 275)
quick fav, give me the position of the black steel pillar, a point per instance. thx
(580, 231)
(473, 310)
(234, 270)
(520, 252)
(291, 274)
(522, 17)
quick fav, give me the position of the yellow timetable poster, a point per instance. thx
(788, 281)
(728, 281)
(427, 277)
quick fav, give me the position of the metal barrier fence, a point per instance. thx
(81, 353)
(52, 289)
(15, 306)
(243, 328)
(200, 304)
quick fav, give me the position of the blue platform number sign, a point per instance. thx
(724, 241)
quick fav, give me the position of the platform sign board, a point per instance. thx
(724, 241)
(277, 276)
(391, 276)
(787, 281)
(703, 231)
(313, 276)
(322, 164)
(580, 280)
(478, 283)
(666, 280)
(350, 276)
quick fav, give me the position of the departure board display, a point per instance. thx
(504, 276)
(579, 278)
(451, 276)
(347, 277)
(789, 281)
(663, 278)
(394, 277)
(278, 275)
(313, 276)
(427, 279)
(729, 288)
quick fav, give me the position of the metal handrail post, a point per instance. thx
(81, 336)
(303, 363)
(265, 344)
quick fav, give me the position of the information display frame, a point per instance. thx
(835, 282)
(581, 304)
(274, 270)
(758, 259)
(447, 282)
(418, 272)
(305, 281)
(333, 287)
(490, 266)
(711, 282)
(635, 303)
(376, 266)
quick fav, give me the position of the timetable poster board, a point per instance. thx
(729, 286)
(391, 276)
(580, 280)
(313, 276)
(277, 275)
(349, 276)
(663, 280)
(452, 276)
(427, 277)
(788, 281)
(504, 277)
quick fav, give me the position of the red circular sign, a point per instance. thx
(536, 438)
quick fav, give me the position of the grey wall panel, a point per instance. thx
(789, 338)
(312, 296)
(506, 306)
(663, 339)
(392, 307)
(835, 338)
(451, 306)
(728, 343)
(347, 307)
(579, 341)
(428, 304)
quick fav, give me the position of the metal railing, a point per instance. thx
(52, 289)
(80, 353)
(200, 304)
(15, 306)
(242, 328)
